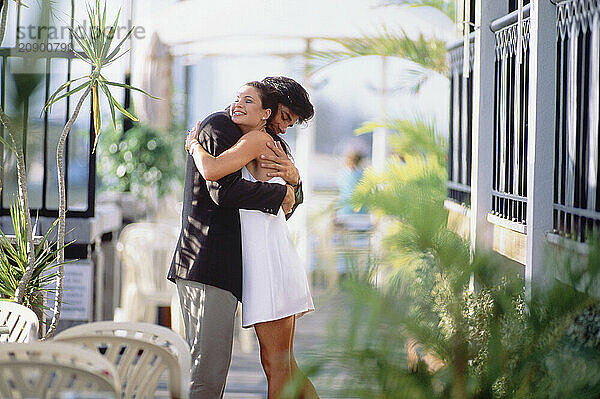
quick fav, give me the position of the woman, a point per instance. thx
(275, 288)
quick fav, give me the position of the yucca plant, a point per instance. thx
(14, 261)
(98, 52)
(15, 144)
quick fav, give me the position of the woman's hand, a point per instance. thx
(281, 164)
(192, 137)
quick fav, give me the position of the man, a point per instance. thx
(207, 265)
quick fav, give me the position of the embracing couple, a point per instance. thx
(240, 187)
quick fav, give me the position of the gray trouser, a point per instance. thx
(209, 316)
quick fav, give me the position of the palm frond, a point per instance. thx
(445, 6)
(414, 79)
(428, 53)
(410, 189)
(418, 136)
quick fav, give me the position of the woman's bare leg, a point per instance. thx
(275, 339)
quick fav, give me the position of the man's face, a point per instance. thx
(282, 120)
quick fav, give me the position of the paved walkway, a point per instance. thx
(246, 378)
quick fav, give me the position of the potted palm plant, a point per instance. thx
(13, 263)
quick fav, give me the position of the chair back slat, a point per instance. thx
(145, 252)
(21, 321)
(54, 370)
(141, 352)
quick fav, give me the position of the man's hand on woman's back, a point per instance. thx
(280, 164)
(288, 200)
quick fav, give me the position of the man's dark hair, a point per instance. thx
(292, 95)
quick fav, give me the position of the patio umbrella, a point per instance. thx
(157, 81)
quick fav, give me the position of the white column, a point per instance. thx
(380, 144)
(305, 144)
(483, 122)
(540, 164)
(305, 148)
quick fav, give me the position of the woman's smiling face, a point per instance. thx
(247, 110)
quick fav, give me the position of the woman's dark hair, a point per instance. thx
(292, 95)
(269, 97)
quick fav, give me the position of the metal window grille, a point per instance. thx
(461, 126)
(40, 133)
(511, 97)
(576, 174)
(514, 4)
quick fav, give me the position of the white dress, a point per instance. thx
(274, 282)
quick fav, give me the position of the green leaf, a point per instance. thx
(445, 6)
(428, 53)
(6, 143)
(96, 113)
(118, 47)
(110, 36)
(69, 93)
(125, 112)
(104, 15)
(117, 57)
(110, 102)
(94, 33)
(84, 59)
(84, 42)
(61, 88)
(45, 238)
(126, 86)
(13, 259)
(412, 137)
(368, 127)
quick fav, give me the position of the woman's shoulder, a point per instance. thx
(258, 136)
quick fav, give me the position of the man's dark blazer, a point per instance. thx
(209, 249)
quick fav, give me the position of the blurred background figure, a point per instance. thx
(352, 225)
(347, 180)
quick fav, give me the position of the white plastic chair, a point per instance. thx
(145, 250)
(51, 370)
(21, 321)
(140, 351)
